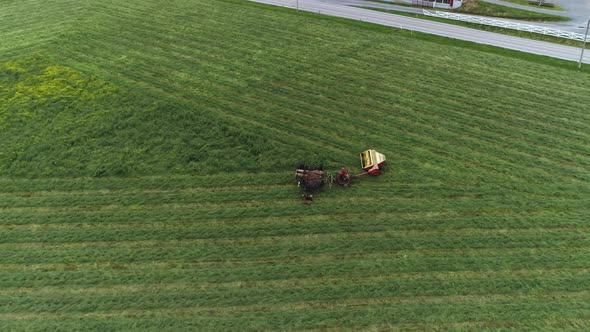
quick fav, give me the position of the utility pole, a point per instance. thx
(584, 45)
(297, 1)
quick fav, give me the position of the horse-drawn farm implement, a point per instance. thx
(312, 179)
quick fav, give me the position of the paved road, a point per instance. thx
(446, 30)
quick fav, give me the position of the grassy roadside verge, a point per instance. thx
(476, 7)
(526, 3)
(509, 32)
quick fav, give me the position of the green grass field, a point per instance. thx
(147, 163)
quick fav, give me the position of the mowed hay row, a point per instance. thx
(164, 268)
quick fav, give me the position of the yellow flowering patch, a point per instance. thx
(41, 85)
(48, 115)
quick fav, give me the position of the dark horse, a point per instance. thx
(310, 179)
